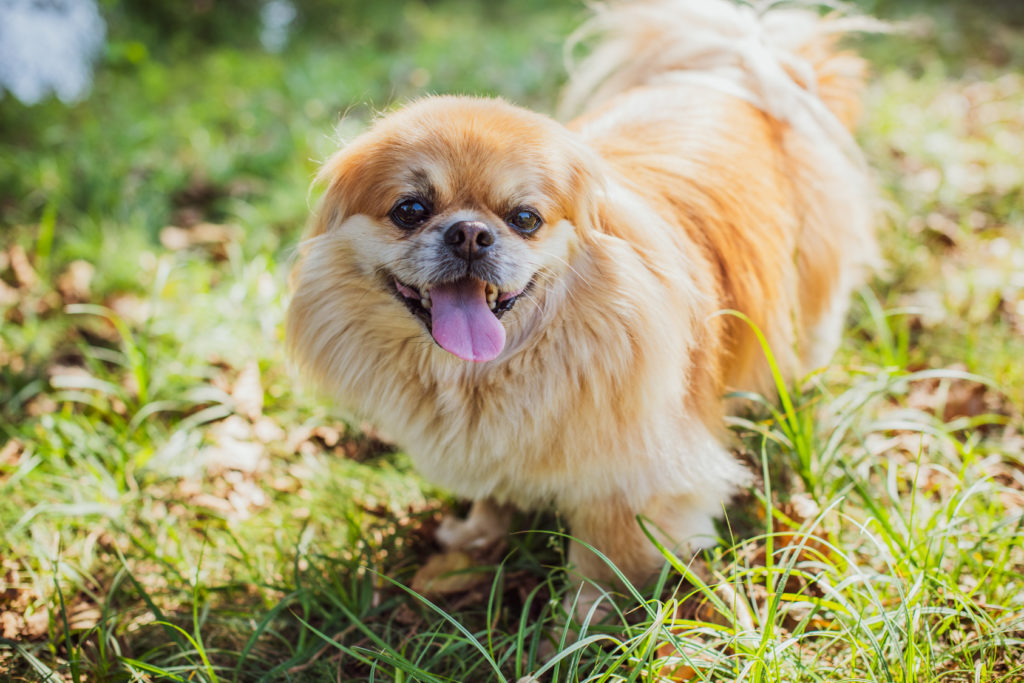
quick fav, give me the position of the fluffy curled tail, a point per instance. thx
(781, 57)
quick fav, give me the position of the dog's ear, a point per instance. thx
(353, 178)
(584, 190)
(601, 206)
(336, 175)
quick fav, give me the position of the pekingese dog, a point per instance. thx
(534, 311)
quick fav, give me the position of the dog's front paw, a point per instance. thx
(486, 525)
(465, 534)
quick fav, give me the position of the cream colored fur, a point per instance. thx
(699, 177)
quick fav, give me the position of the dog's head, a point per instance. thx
(455, 208)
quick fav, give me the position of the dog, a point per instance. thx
(535, 311)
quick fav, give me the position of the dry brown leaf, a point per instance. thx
(8, 295)
(75, 282)
(212, 502)
(17, 626)
(297, 437)
(84, 616)
(329, 435)
(405, 616)
(284, 484)
(24, 273)
(60, 370)
(37, 624)
(188, 488)
(245, 497)
(943, 227)
(674, 670)
(955, 397)
(130, 308)
(12, 361)
(41, 405)
(1012, 441)
(212, 236)
(233, 448)
(446, 574)
(10, 453)
(300, 471)
(10, 624)
(374, 434)
(243, 456)
(248, 392)
(267, 430)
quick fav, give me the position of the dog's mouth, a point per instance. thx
(462, 316)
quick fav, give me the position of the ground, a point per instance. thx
(174, 506)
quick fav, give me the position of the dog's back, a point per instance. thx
(735, 124)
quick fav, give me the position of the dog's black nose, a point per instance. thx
(469, 239)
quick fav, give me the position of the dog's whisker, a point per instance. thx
(568, 265)
(534, 302)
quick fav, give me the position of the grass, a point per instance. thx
(174, 507)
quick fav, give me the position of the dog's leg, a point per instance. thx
(612, 529)
(486, 523)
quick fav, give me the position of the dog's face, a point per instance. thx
(457, 208)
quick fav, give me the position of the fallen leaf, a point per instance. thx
(40, 405)
(8, 295)
(245, 497)
(10, 453)
(297, 436)
(130, 308)
(211, 236)
(267, 431)
(37, 624)
(74, 283)
(446, 574)
(212, 502)
(60, 370)
(248, 392)
(84, 617)
(18, 626)
(329, 435)
(233, 448)
(405, 616)
(24, 273)
(955, 397)
(10, 625)
(229, 454)
(674, 669)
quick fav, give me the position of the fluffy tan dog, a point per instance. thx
(531, 309)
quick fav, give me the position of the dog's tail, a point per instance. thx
(779, 56)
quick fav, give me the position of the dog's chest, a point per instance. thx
(482, 433)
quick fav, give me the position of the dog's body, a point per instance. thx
(695, 181)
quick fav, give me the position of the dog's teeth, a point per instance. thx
(492, 294)
(425, 300)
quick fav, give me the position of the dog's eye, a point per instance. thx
(409, 213)
(524, 220)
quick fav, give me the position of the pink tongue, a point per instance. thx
(463, 323)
